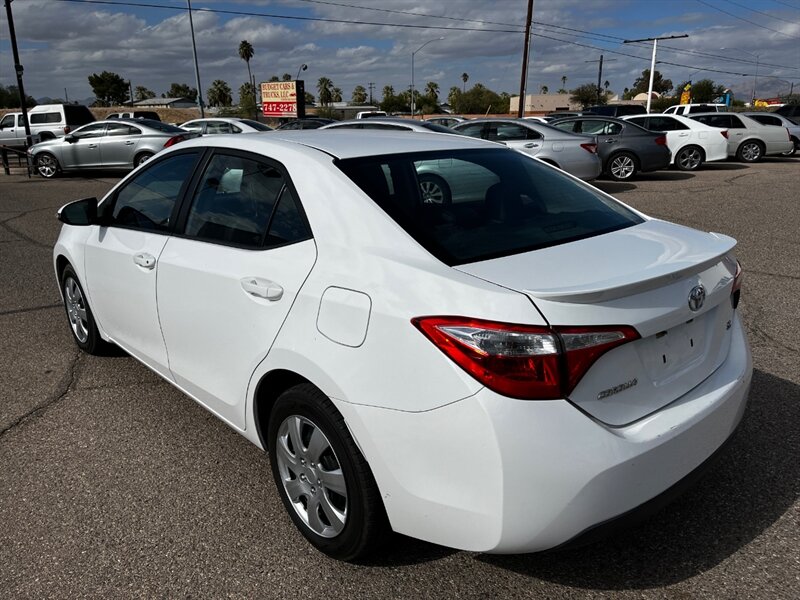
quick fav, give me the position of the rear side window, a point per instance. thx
(77, 115)
(48, 117)
(663, 124)
(767, 120)
(723, 121)
(591, 127)
(244, 202)
(121, 129)
(148, 200)
(472, 130)
(496, 202)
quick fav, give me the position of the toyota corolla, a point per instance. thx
(498, 374)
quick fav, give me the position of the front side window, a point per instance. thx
(472, 130)
(500, 202)
(8, 121)
(239, 200)
(148, 200)
(116, 129)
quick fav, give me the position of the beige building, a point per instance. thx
(543, 103)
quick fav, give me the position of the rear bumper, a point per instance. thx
(658, 158)
(493, 474)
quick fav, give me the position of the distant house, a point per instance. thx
(166, 103)
(543, 103)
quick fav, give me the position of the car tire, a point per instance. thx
(47, 165)
(434, 189)
(46, 135)
(323, 480)
(142, 157)
(749, 151)
(689, 158)
(80, 317)
(622, 166)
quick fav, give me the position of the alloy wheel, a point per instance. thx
(76, 309)
(751, 152)
(432, 192)
(46, 165)
(622, 167)
(690, 159)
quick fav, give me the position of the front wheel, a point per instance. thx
(795, 148)
(81, 320)
(47, 165)
(622, 166)
(322, 478)
(689, 158)
(749, 152)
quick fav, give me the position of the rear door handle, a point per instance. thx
(609, 140)
(92, 146)
(262, 288)
(531, 145)
(148, 261)
(129, 143)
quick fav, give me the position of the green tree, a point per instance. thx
(109, 88)
(544, 89)
(660, 85)
(180, 90)
(9, 97)
(480, 99)
(336, 94)
(246, 52)
(142, 93)
(465, 79)
(219, 94)
(432, 90)
(452, 96)
(586, 95)
(359, 95)
(274, 78)
(309, 98)
(247, 98)
(286, 77)
(704, 90)
(563, 83)
(325, 90)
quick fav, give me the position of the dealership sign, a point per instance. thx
(280, 98)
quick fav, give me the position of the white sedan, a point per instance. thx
(498, 375)
(220, 125)
(690, 142)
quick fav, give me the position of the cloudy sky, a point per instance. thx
(355, 42)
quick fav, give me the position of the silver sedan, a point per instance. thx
(575, 154)
(115, 144)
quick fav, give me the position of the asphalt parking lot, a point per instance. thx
(114, 484)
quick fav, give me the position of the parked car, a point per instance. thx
(560, 114)
(616, 110)
(690, 142)
(114, 144)
(689, 109)
(305, 123)
(625, 148)
(390, 124)
(777, 120)
(789, 110)
(46, 121)
(371, 114)
(499, 376)
(136, 114)
(446, 120)
(575, 154)
(748, 140)
(219, 125)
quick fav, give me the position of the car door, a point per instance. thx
(122, 256)
(516, 136)
(227, 281)
(118, 145)
(83, 148)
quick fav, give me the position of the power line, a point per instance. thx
(760, 12)
(704, 3)
(787, 4)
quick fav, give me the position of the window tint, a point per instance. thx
(8, 121)
(641, 121)
(736, 122)
(198, 127)
(511, 131)
(472, 130)
(664, 124)
(121, 129)
(49, 117)
(148, 200)
(723, 121)
(256, 125)
(592, 127)
(501, 202)
(90, 131)
(567, 125)
(767, 120)
(77, 115)
(235, 201)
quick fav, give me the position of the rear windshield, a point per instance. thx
(465, 206)
(77, 115)
(256, 125)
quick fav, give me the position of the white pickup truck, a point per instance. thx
(47, 122)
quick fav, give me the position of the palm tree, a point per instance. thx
(324, 86)
(563, 81)
(219, 94)
(607, 84)
(465, 79)
(544, 89)
(336, 94)
(432, 90)
(246, 52)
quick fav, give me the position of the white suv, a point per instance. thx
(687, 109)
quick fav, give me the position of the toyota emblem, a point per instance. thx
(696, 298)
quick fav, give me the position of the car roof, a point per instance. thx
(345, 143)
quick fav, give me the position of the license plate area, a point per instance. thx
(668, 354)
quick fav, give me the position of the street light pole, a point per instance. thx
(653, 60)
(196, 68)
(303, 67)
(413, 102)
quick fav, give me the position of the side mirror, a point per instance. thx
(69, 138)
(79, 212)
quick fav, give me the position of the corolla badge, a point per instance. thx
(697, 297)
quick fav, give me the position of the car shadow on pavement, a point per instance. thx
(752, 485)
(723, 166)
(664, 175)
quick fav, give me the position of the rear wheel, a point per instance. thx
(795, 147)
(689, 158)
(142, 158)
(622, 166)
(750, 152)
(322, 478)
(434, 189)
(47, 165)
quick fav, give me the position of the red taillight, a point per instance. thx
(590, 147)
(736, 290)
(724, 133)
(523, 361)
(661, 140)
(174, 140)
(67, 130)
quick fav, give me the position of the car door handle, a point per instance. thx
(531, 145)
(683, 135)
(609, 140)
(92, 146)
(129, 143)
(262, 288)
(147, 261)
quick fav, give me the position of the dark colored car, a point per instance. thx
(624, 148)
(789, 110)
(617, 110)
(306, 123)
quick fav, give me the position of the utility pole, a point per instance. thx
(600, 76)
(196, 68)
(371, 86)
(653, 60)
(66, 96)
(523, 78)
(12, 34)
(130, 89)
